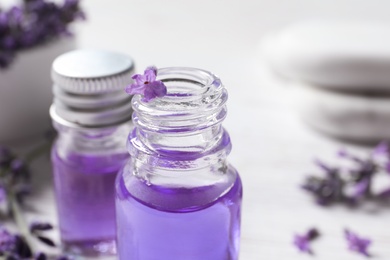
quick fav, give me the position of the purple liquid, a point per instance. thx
(178, 223)
(85, 191)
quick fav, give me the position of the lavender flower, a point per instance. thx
(14, 184)
(356, 243)
(349, 185)
(13, 245)
(7, 241)
(147, 85)
(327, 189)
(381, 149)
(302, 242)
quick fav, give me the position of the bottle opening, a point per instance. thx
(188, 118)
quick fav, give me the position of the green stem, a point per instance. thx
(22, 223)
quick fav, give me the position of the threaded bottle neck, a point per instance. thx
(188, 119)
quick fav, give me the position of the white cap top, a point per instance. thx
(89, 88)
(91, 64)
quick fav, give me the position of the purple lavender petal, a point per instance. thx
(147, 85)
(139, 79)
(153, 69)
(302, 243)
(342, 153)
(153, 90)
(361, 188)
(159, 88)
(150, 75)
(356, 243)
(7, 241)
(135, 89)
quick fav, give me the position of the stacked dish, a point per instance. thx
(340, 74)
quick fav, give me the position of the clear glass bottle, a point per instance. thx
(92, 115)
(177, 197)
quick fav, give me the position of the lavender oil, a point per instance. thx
(92, 117)
(178, 197)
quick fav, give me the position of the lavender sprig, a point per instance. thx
(34, 23)
(14, 186)
(351, 185)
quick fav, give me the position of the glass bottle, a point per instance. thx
(177, 197)
(92, 115)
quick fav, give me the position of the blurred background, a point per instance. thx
(293, 70)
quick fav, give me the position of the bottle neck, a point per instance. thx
(182, 130)
(91, 140)
(188, 119)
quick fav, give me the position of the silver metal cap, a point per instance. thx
(89, 88)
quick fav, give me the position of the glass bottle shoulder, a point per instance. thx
(185, 195)
(90, 150)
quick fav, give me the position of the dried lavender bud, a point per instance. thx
(349, 185)
(40, 226)
(22, 248)
(7, 241)
(302, 242)
(313, 233)
(46, 241)
(40, 256)
(365, 169)
(356, 243)
(325, 190)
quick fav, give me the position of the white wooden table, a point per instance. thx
(272, 149)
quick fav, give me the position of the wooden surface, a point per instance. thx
(272, 149)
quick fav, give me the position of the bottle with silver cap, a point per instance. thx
(92, 115)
